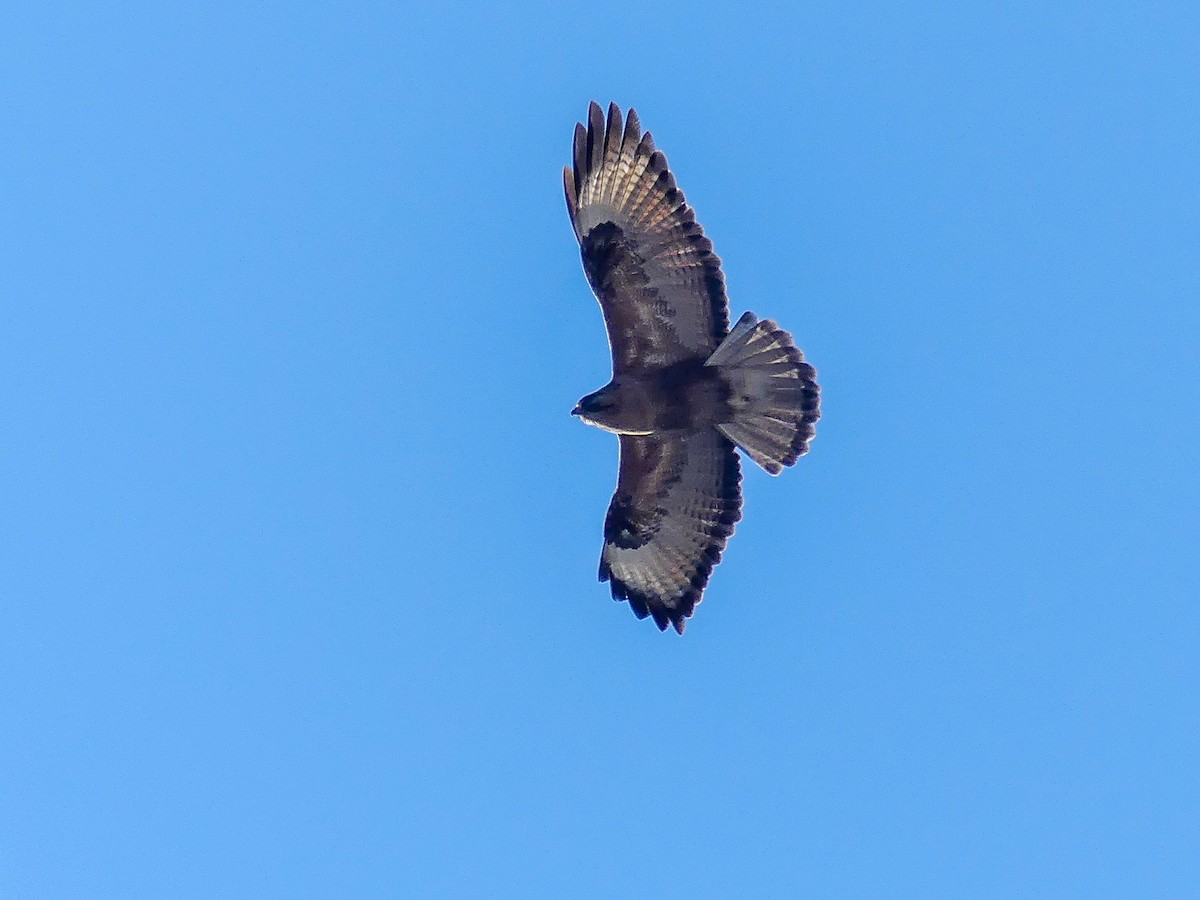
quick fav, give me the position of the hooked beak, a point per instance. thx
(577, 411)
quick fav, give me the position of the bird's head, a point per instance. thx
(597, 409)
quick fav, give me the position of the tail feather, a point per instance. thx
(774, 397)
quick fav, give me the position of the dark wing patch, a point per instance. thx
(678, 498)
(659, 284)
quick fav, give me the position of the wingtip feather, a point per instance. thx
(595, 132)
(569, 192)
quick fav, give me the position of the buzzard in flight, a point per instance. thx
(685, 389)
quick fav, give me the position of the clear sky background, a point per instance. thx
(297, 574)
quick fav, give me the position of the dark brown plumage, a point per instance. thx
(685, 389)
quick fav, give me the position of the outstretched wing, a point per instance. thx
(678, 498)
(659, 284)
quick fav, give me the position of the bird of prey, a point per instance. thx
(685, 389)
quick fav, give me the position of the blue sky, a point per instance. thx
(297, 583)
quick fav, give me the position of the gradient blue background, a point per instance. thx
(297, 579)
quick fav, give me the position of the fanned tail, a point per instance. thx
(773, 393)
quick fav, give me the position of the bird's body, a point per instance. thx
(681, 396)
(685, 388)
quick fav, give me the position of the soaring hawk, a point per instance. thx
(685, 389)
